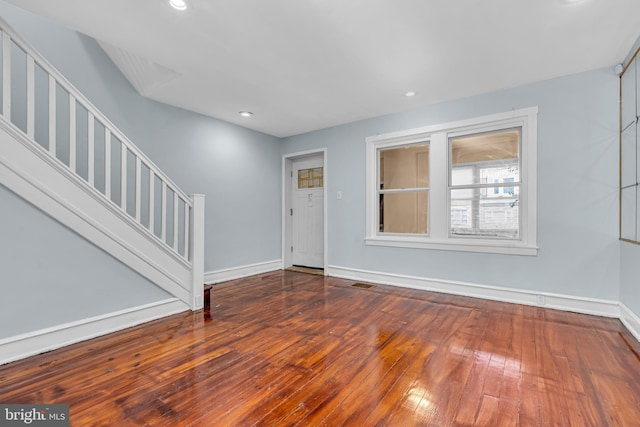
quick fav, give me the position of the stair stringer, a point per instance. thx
(44, 181)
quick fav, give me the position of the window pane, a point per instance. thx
(628, 157)
(404, 167)
(485, 212)
(628, 213)
(405, 212)
(485, 158)
(628, 98)
(310, 178)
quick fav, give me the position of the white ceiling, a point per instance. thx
(302, 65)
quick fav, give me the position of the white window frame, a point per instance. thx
(439, 210)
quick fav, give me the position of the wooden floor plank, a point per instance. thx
(287, 348)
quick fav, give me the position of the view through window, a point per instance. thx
(468, 185)
(485, 184)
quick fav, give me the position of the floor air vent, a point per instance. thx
(362, 285)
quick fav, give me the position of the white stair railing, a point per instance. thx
(42, 104)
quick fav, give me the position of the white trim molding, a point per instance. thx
(232, 273)
(196, 249)
(630, 320)
(56, 187)
(438, 234)
(36, 342)
(46, 183)
(287, 233)
(598, 307)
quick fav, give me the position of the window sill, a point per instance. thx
(461, 245)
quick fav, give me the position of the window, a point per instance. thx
(479, 165)
(468, 185)
(310, 178)
(629, 221)
(403, 182)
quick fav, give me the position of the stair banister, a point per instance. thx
(188, 250)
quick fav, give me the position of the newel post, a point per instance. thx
(196, 239)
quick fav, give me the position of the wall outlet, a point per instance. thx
(339, 195)
(540, 300)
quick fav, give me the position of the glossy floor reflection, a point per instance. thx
(287, 348)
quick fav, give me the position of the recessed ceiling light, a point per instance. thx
(410, 93)
(245, 113)
(572, 2)
(178, 4)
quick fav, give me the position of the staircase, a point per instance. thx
(60, 153)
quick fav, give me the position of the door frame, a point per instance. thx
(287, 223)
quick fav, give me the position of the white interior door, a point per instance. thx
(307, 197)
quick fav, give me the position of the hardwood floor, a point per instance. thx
(288, 348)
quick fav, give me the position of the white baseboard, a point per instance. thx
(32, 343)
(242, 271)
(630, 320)
(576, 304)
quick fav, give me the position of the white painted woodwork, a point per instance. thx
(437, 135)
(52, 115)
(72, 133)
(56, 79)
(6, 76)
(308, 218)
(38, 175)
(123, 177)
(163, 213)
(31, 97)
(630, 320)
(152, 206)
(91, 149)
(107, 163)
(287, 203)
(27, 170)
(138, 187)
(595, 306)
(185, 231)
(32, 343)
(196, 249)
(226, 274)
(175, 222)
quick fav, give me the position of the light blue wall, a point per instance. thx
(239, 172)
(577, 190)
(630, 276)
(237, 169)
(50, 276)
